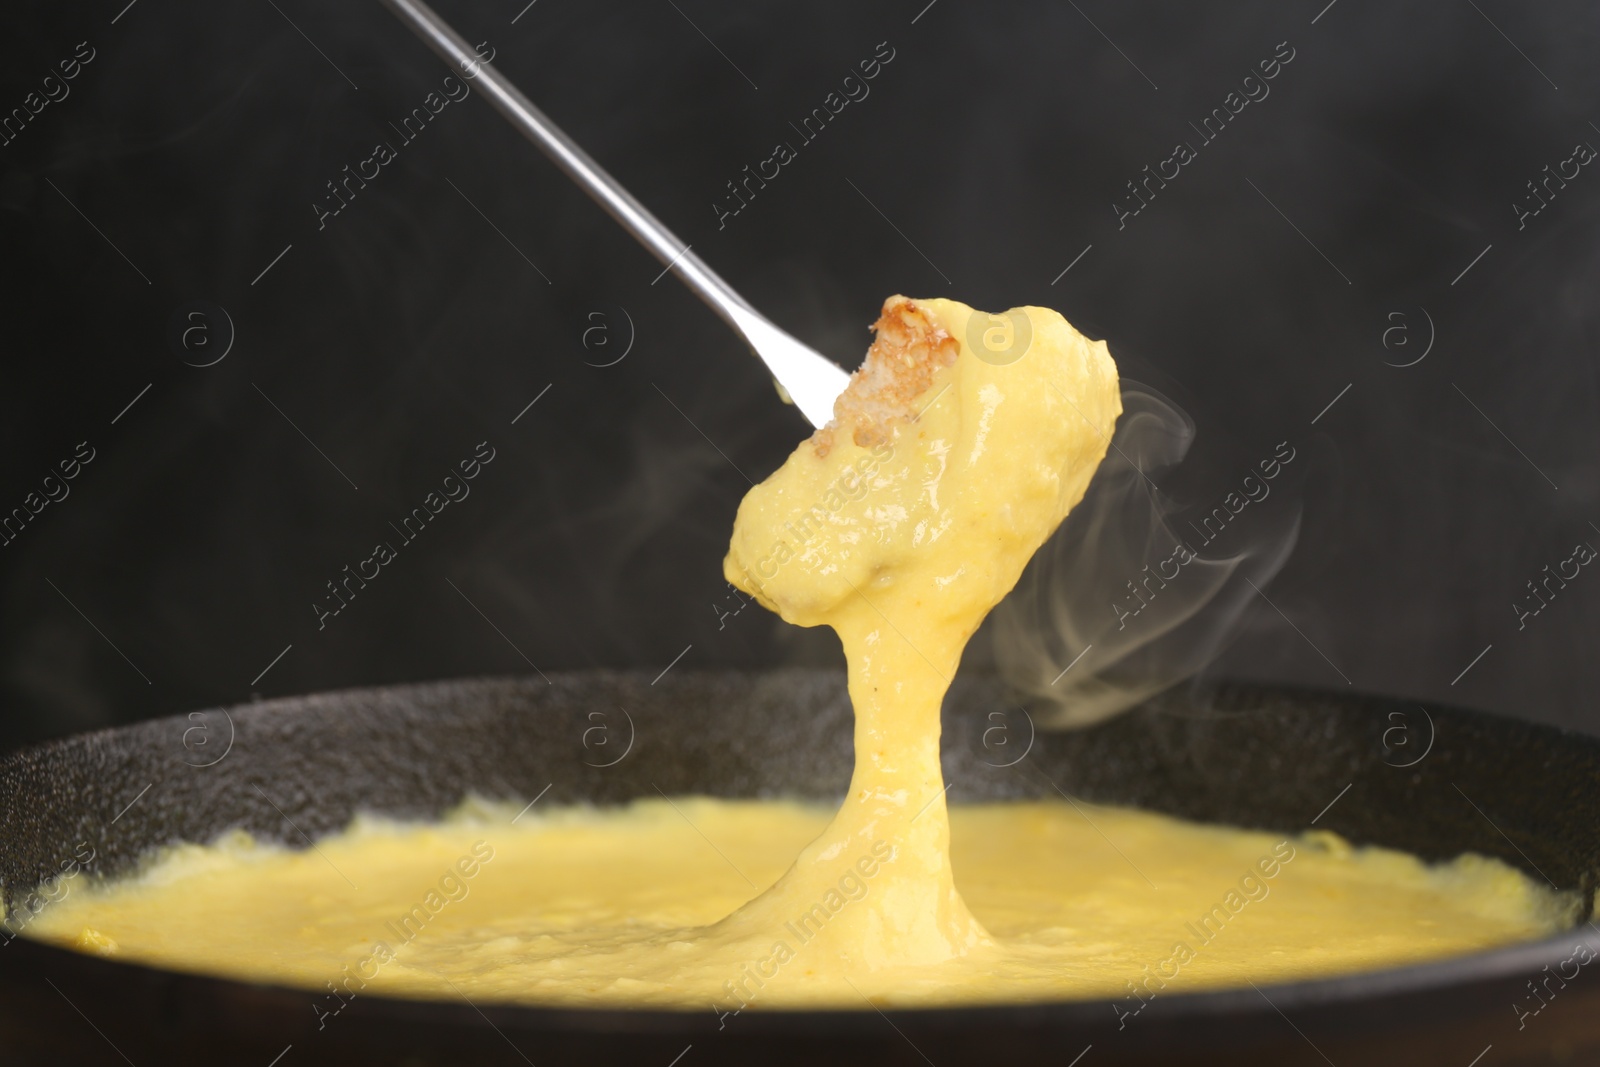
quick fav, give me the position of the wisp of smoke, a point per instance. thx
(1123, 601)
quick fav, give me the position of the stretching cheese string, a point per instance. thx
(959, 447)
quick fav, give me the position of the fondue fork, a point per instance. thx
(805, 377)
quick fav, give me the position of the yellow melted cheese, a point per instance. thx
(620, 907)
(900, 526)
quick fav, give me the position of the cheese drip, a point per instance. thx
(900, 525)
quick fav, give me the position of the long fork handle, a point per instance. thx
(565, 153)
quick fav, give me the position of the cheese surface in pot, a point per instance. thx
(621, 907)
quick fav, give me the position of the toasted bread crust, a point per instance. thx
(909, 348)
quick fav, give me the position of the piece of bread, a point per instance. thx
(909, 348)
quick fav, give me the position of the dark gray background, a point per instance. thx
(191, 549)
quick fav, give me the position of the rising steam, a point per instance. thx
(1136, 592)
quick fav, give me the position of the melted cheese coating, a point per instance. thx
(959, 447)
(900, 526)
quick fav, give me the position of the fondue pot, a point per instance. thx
(1432, 781)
